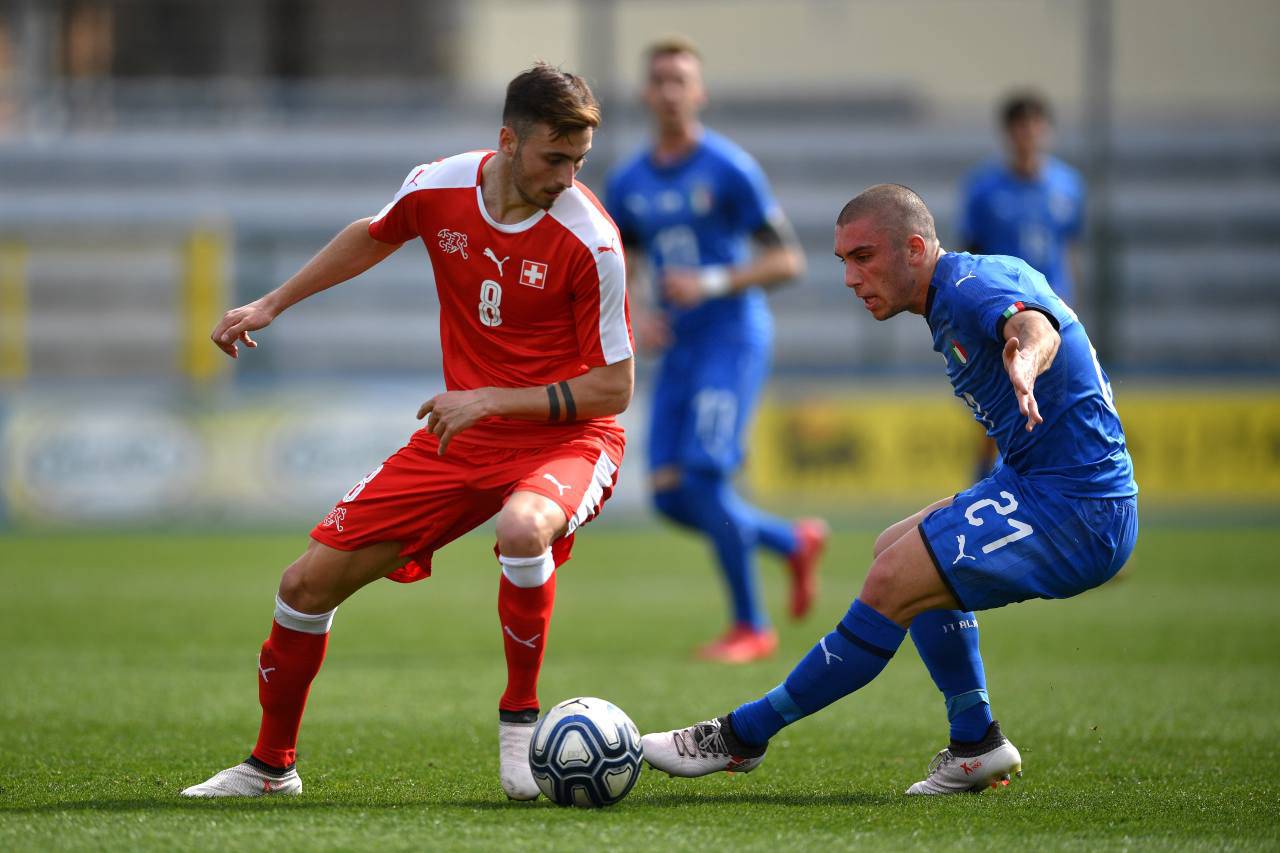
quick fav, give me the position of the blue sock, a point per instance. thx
(843, 661)
(948, 644)
(705, 502)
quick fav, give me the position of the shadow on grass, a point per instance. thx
(662, 801)
(771, 798)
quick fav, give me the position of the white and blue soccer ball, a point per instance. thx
(585, 752)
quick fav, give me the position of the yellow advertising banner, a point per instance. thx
(1188, 447)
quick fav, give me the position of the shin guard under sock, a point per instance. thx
(947, 641)
(526, 595)
(287, 664)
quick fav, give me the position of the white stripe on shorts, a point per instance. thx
(601, 479)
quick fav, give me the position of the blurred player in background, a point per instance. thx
(537, 361)
(1058, 518)
(691, 204)
(1029, 206)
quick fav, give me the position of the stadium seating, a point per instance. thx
(104, 215)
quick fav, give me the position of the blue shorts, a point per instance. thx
(704, 395)
(1009, 538)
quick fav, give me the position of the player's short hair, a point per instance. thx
(897, 209)
(670, 46)
(1023, 105)
(546, 95)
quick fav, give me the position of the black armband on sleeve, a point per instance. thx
(553, 404)
(570, 408)
(775, 231)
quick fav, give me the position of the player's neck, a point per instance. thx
(675, 143)
(501, 199)
(1027, 167)
(924, 280)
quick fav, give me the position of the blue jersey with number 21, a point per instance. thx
(1080, 448)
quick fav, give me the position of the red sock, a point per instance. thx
(525, 613)
(287, 665)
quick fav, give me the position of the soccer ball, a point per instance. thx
(585, 752)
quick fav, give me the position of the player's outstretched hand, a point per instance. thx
(236, 325)
(450, 413)
(1022, 369)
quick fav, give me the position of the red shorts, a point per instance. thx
(424, 501)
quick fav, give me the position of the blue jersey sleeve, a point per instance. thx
(751, 202)
(1075, 224)
(1001, 292)
(967, 226)
(614, 194)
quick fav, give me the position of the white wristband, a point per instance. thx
(714, 281)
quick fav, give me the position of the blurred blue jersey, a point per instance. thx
(698, 212)
(1033, 219)
(1080, 448)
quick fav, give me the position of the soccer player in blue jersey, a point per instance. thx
(1030, 206)
(1057, 518)
(690, 207)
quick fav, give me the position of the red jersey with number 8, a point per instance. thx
(521, 305)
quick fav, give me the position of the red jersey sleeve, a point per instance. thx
(601, 314)
(398, 221)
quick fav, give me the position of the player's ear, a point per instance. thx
(915, 248)
(508, 141)
(700, 92)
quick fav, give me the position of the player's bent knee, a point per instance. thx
(528, 524)
(524, 534)
(324, 577)
(303, 591)
(878, 591)
(903, 581)
(888, 597)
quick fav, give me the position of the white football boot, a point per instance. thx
(987, 764)
(700, 749)
(513, 759)
(245, 780)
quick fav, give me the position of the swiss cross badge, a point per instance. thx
(533, 274)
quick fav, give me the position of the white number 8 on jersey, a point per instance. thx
(490, 302)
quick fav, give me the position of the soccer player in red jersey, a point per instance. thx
(537, 351)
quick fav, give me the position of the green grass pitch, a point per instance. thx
(1146, 711)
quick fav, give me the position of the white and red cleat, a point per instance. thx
(246, 780)
(812, 535)
(700, 749)
(993, 762)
